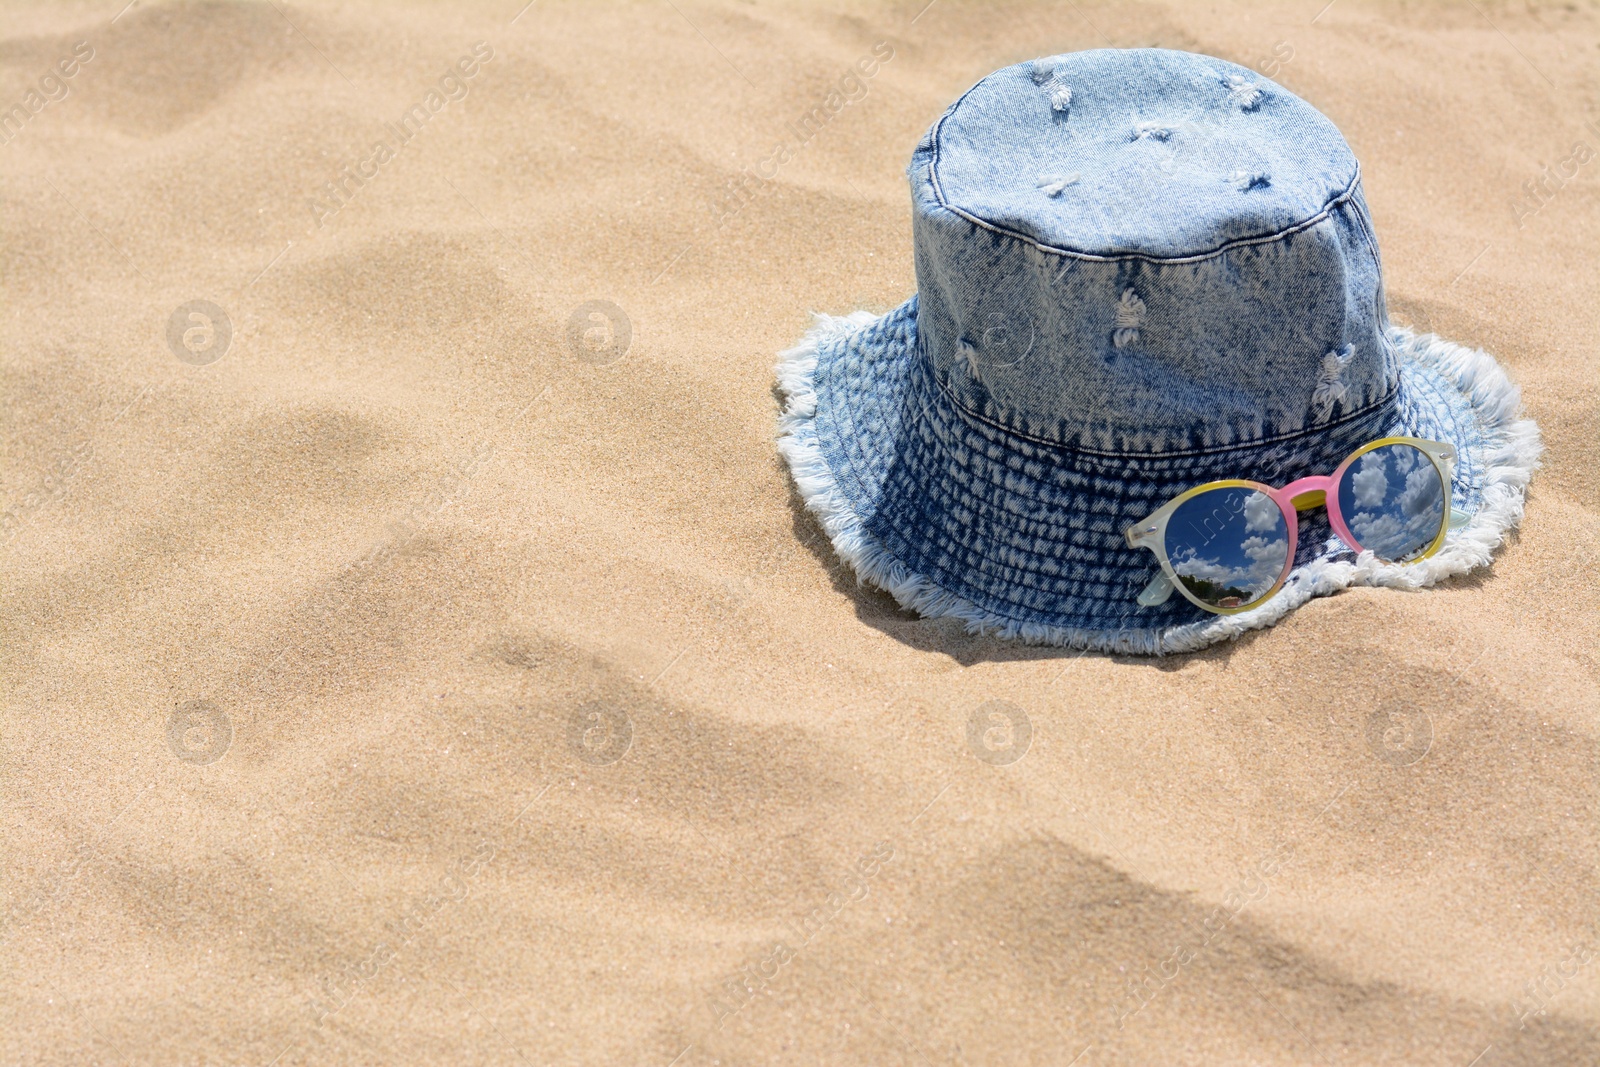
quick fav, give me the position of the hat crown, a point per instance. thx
(1146, 251)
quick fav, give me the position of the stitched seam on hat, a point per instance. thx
(1113, 257)
(1360, 213)
(1237, 446)
(1288, 231)
(1380, 298)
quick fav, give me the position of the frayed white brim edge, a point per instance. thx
(1510, 454)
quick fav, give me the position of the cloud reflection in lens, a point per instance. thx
(1393, 501)
(1229, 546)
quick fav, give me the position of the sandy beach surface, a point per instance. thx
(412, 649)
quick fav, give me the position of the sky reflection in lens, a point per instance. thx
(1229, 545)
(1393, 502)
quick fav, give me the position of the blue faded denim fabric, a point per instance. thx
(1137, 270)
(1226, 293)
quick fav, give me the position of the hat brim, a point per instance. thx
(955, 516)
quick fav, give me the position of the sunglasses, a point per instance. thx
(1228, 546)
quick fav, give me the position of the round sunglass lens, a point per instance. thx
(1229, 546)
(1392, 499)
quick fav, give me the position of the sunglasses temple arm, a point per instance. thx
(1157, 592)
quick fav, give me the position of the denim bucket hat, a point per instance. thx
(1138, 271)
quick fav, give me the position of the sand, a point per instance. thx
(420, 678)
